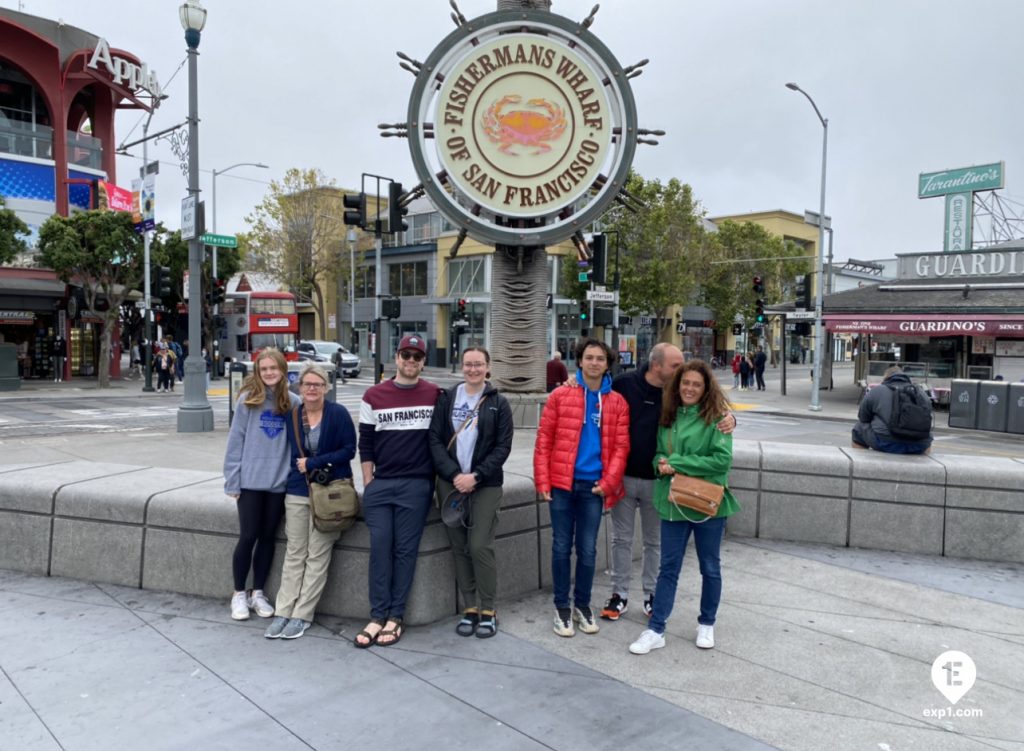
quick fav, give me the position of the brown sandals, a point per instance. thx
(371, 639)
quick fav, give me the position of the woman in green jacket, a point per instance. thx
(689, 443)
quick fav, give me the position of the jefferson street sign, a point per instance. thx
(221, 241)
(597, 296)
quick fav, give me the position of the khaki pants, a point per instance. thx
(306, 560)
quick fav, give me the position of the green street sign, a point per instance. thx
(584, 276)
(963, 180)
(221, 241)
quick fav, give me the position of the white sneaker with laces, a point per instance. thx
(240, 606)
(584, 619)
(648, 640)
(259, 602)
(705, 636)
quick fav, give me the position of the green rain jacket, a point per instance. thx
(698, 450)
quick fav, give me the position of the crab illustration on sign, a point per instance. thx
(523, 127)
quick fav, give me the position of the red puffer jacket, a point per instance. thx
(558, 439)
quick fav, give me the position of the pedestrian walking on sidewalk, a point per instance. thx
(470, 440)
(398, 477)
(322, 444)
(689, 443)
(736, 359)
(578, 462)
(745, 372)
(760, 360)
(255, 475)
(164, 365)
(642, 389)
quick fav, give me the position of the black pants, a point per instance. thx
(759, 373)
(259, 513)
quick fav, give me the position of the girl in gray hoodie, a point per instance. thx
(256, 466)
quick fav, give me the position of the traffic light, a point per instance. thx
(391, 307)
(395, 210)
(758, 285)
(584, 312)
(737, 329)
(161, 288)
(803, 292)
(355, 215)
(759, 315)
(218, 291)
(599, 258)
(461, 307)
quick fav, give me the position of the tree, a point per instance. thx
(728, 287)
(297, 237)
(665, 253)
(101, 251)
(11, 227)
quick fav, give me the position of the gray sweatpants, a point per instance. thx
(639, 494)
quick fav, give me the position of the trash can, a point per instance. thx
(10, 375)
(1015, 418)
(992, 405)
(963, 404)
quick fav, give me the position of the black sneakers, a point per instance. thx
(614, 608)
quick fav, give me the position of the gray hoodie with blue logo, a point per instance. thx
(257, 455)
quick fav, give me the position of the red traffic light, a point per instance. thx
(462, 307)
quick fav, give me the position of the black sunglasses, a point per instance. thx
(409, 355)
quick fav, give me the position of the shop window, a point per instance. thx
(408, 278)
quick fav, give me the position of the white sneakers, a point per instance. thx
(242, 603)
(584, 620)
(705, 636)
(259, 603)
(240, 606)
(648, 640)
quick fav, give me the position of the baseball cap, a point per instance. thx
(412, 342)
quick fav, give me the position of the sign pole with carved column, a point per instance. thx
(533, 129)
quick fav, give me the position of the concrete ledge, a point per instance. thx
(176, 530)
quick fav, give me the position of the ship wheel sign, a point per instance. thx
(522, 127)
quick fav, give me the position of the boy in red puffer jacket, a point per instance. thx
(578, 463)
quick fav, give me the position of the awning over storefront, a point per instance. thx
(1008, 326)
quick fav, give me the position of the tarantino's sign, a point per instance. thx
(522, 125)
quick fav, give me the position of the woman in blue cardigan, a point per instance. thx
(328, 440)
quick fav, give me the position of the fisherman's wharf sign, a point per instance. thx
(522, 127)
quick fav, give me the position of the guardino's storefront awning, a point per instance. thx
(927, 325)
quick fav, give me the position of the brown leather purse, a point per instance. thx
(694, 493)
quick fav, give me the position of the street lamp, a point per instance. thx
(215, 354)
(815, 405)
(195, 414)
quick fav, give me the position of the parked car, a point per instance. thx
(323, 351)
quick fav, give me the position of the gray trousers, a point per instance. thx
(639, 495)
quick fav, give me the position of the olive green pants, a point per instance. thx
(475, 568)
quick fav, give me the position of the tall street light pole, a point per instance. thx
(195, 414)
(215, 349)
(815, 405)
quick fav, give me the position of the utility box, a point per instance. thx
(10, 377)
(1015, 415)
(963, 404)
(993, 408)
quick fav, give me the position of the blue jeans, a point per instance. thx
(575, 514)
(707, 538)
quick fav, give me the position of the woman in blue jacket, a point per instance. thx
(328, 441)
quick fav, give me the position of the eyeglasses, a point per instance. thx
(474, 365)
(312, 386)
(408, 355)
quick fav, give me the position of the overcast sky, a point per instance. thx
(908, 86)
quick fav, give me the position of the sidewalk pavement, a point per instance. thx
(817, 648)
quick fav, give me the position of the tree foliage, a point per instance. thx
(11, 230)
(101, 251)
(748, 250)
(664, 249)
(298, 235)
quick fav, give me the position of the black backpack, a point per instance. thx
(911, 413)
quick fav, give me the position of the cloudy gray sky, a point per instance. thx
(908, 86)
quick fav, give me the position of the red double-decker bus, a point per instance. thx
(256, 320)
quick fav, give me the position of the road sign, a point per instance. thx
(680, 328)
(140, 303)
(798, 315)
(597, 296)
(188, 217)
(584, 276)
(221, 241)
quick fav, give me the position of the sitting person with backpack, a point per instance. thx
(895, 417)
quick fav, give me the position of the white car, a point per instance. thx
(323, 351)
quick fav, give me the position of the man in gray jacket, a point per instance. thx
(875, 427)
